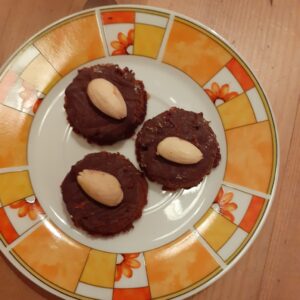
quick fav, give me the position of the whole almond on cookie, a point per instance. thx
(179, 150)
(101, 186)
(107, 98)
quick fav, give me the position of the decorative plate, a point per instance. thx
(185, 240)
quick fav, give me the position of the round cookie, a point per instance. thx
(183, 124)
(89, 121)
(94, 217)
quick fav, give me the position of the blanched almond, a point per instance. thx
(107, 98)
(179, 151)
(101, 186)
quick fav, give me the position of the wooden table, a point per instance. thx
(266, 33)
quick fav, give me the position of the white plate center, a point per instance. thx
(54, 148)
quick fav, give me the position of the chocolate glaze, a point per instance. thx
(183, 124)
(89, 121)
(94, 217)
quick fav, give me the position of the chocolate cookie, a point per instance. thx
(89, 121)
(185, 125)
(94, 217)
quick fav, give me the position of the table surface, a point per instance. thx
(266, 33)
